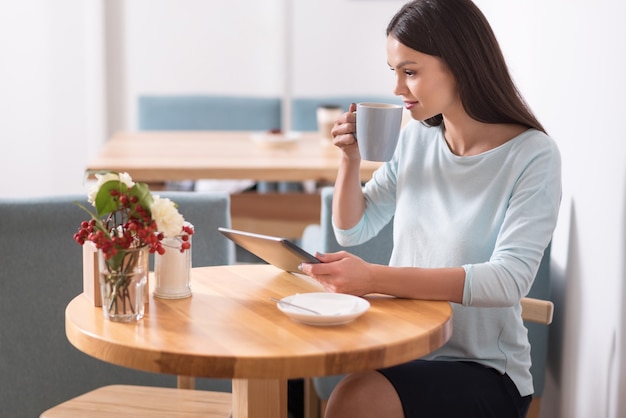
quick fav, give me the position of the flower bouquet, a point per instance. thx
(128, 223)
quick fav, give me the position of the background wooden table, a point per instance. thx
(156, 157)
(230, 329)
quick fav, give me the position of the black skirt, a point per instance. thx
(441, 389)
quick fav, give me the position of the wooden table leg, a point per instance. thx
(311, 400)
(186, 382)
(259, 398)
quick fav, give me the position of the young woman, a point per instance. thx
(474, 188)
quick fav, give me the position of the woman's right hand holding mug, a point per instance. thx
(344, 133)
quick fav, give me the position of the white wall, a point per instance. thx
(339, 47)
(191, 46)
(567, 57)
(50, 94)
(224, 47)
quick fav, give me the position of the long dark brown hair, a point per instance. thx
(458, 32)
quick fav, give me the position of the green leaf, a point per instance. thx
(142, 192)
(105, 203)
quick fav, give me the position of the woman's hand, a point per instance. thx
(343, 133)
(341, 272)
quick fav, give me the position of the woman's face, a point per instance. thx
(424, 81)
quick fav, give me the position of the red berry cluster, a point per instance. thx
(129, 226)
(187, 231)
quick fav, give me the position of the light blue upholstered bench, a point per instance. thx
(41, 271)
(207, 112)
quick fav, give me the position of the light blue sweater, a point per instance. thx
(493, 214)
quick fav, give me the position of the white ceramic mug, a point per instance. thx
(377, 130)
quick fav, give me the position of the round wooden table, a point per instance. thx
(228, 328)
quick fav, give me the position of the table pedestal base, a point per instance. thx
(259, 398)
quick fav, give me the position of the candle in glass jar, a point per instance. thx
(172, 270)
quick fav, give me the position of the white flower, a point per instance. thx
(127, 180)
(166, 216)
(103, 178)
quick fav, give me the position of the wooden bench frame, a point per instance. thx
(144, 402)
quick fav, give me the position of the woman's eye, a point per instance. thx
(407, 73)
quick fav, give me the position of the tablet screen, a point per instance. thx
(277, 251)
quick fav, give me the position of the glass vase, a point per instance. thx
(123, 281)
(172, 270)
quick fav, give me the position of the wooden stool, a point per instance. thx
(144, 402)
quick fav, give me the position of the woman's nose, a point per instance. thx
(400, 87)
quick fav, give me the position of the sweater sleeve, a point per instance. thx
(530, 219)
(493, 213)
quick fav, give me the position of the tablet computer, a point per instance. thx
(277, 251)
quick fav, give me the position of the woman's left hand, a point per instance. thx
(341, 272)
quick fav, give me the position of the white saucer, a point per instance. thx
(333, 308)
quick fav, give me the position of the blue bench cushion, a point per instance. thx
(206, 112)
(41, 271)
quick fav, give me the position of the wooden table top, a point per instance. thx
(229, 329)
(157, 156)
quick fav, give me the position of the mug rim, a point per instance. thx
(378, 105)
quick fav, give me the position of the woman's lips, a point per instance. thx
(409, 105)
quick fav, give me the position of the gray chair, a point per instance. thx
(537, 310)
(41, 271)
(322, 238)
